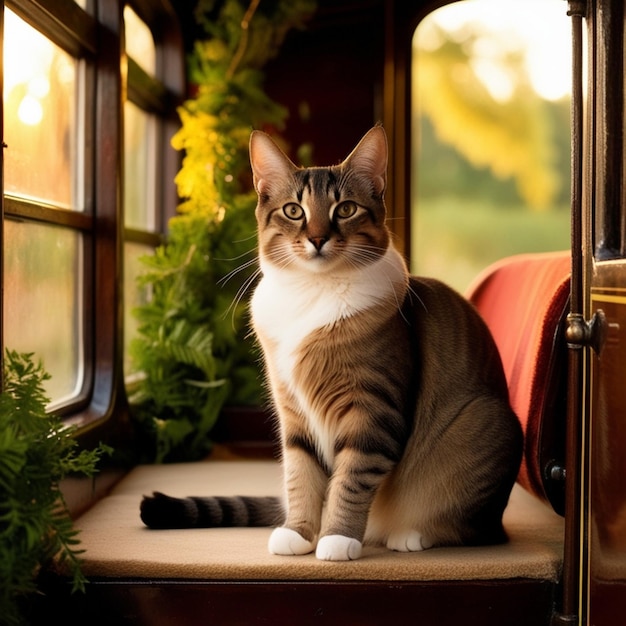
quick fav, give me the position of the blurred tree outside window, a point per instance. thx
(490, 135)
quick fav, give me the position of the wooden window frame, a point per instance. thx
(96, 35)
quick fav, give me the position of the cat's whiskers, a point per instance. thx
(366, 254)
(412, 292)
(248, 238)
(240, 268)
(243, 254)
(241, 292)
(369, 254)
(282, 257)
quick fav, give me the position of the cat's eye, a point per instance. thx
(293, 211)
(346, 209)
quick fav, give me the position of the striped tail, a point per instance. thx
(161, 511)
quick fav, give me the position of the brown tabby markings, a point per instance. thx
(393, 408)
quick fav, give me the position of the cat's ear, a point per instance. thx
(270, 165)
(369, 158)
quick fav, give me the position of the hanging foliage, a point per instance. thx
(192, 354)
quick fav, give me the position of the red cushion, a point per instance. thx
(524, 300)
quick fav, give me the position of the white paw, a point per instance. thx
(410, 541)
(338, 548)
(288, 542)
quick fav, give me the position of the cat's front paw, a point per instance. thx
(288, 542)
(410, 541)
(338, 548)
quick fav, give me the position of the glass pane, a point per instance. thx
(134, 296)
(40, 125)
(139, 41)
(42, 296)
(491, 135)
(139, 164)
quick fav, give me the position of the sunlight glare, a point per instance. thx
(540, 29)
(30, 111)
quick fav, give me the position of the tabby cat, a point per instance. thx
(392, 404)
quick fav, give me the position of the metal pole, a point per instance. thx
(577, 335)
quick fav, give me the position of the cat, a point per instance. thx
(393, 410)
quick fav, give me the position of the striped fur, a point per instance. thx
(161, 511)
(392, 405)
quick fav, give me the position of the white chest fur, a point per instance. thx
(289, 305)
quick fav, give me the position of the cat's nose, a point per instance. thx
(318, 242)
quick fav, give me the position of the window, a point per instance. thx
(75, 107)
(47, 206)
(146, 133)
(491, 135)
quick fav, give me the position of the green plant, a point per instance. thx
(36, 452)
(192, 354)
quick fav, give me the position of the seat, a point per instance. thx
(227, 576)
(524, 300)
